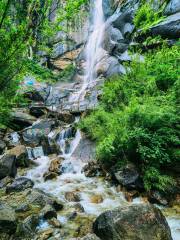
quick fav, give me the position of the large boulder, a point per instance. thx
(8, 221)
(134, 222)
(169, 28)
(128, 177)
(8, 166)
(21, 119)
(19, 185)
(37, 131)
(21, 154)
(172, 7)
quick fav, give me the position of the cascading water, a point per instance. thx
(92, 49)
(71, 178)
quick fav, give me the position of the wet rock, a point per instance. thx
(2, 146)
(40, 129)
(85, 224)
(48, 212)
(22, 208)
(49, 146)
(49, 176)
(122, 19)
(157, 197)
(21, 154)
(27, 228)
(91, 169)
(128, 177)
(55, 223)
(96, 199)
(46, 234)
(78, 207)
(172, 7)
(66, 117)
(55, 165)
(72, 216)
(20, 119)
(20, 184)
(40, 198)
(90, 237)
(130, 195)
(8, 166)
(138, 221)
(8, 222)
(5, 181)
(85, 150)
(37, 111)
(72, 197)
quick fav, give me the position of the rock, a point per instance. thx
(90, 237)
(8, 222)
(37, 131)
(49, 176)
(26, 229)
(72, 197)
(8, 166)
(169, 28)
(129, 177)
(92, 169)
(78, 207)
(137, 221)
(157, 197)
(46, 234)
(55, 165)
(97, 198)
(21, 154)
(20, 119)
(5, 181)
(20, 184)
(85, 151)
(2, 146)
(72, 216)
(48, 212)
(130, 195)
(49, 146)
(66, 117)
(40, 198)
(120, 22)
(108, 8)
(172, 7)
(22, 208)
(55, 223)
(37, 111)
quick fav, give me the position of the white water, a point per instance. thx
(72, 179)
(92, 50)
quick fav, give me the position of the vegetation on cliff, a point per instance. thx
(137, 119)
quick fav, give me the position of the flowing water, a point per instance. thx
(92, 49)
(72, 179)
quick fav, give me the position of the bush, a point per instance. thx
(146, 16)
(137, 119)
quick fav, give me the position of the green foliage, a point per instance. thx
(39, 72)
(137, 119)
(26, 25)
(146, 16)
(66, 74)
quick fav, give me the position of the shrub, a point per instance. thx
(137, 119)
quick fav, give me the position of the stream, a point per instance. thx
(72, 179)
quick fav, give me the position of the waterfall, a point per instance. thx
(92, 49)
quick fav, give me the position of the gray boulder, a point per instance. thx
(134, 222)
(8, 166)
(128, 177)
(37, 131)
(169, 28)
(8, 221)
(21, 154)
(19, 185)
(172, 7)
(21, 119)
